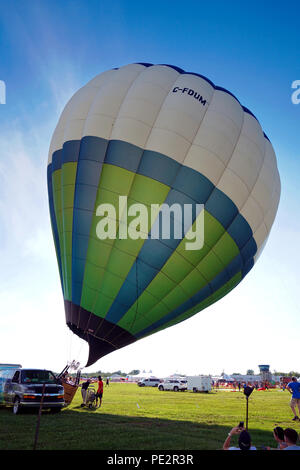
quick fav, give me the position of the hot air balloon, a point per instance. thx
(155, 136)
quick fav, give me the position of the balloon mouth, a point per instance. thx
(102, 336)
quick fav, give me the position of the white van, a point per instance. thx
(150, 382)
(199, 383)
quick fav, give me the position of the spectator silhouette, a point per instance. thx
(244, 442)
(290, 438)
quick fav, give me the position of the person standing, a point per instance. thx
(99, 393)
(294, 388)
(84, 388)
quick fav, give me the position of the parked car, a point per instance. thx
(173, 384)
(23, 388)
(150, 382)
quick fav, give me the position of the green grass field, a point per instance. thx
(133, 418)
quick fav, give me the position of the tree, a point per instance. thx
(250, 372)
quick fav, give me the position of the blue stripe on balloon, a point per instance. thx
(93, 148)
(239, 231)
(124, 155)
(158, 167)
(248, 265)
(56, 160)
(53, 220)
(70, 151)
(193, 184)
(249, 249)
(221, 207)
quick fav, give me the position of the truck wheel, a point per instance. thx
(194, 390)
(175, 389)
(161, 388)
(16, 407)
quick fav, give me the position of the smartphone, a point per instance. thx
(241, 424)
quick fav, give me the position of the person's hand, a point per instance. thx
(236, 430)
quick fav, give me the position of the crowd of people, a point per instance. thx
(286, 439)
(240, 385)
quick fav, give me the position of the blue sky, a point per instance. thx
(48, 49)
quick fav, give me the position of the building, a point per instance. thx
(264, 376)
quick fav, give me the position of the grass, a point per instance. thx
(133, 418)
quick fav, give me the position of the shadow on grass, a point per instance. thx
(94, 429)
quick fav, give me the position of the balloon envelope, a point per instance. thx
(134, 150)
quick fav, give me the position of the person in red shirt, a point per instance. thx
(99, 393)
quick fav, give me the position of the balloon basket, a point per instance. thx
(69, 392)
